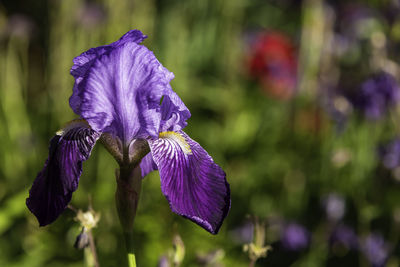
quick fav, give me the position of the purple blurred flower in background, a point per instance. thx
(91, 14)
(338, 107)
(21, 26)
(376, 250)
(377, 95)
(335, 207)
(390, 154)
(122, 91)
(243, 234)
(295, 237)
(357, 21)
(163, 262)
(344, 236)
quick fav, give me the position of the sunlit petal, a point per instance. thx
(193, 184)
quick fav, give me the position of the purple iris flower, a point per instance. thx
(390, 154)
(122, 91)
(335, 207)
(344, 236)
(295, 237)
(243, 234)
(377, 95)
(376, 250)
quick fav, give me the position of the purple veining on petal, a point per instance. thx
(147, 165)
(120, 92)
(193, 184)
(120, 89)
(174, 113)
(53, 187)
(84, 62)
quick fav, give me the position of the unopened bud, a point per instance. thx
(82, 240)
(179, 250)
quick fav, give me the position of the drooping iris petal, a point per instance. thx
(83, 62)
(53, 187)
(193, 184)
(147, 165)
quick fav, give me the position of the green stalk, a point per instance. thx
(129, 183)
(127, 197)
(129, 249)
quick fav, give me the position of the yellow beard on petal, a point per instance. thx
(177, 138)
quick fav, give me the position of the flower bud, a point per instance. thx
(82, 240)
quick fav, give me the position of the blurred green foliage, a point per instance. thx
(278, 155)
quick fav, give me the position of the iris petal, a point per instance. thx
(174, 113)
(53, 187)
(194, 185)
(83, 62)
(118, 89)
(147, 165)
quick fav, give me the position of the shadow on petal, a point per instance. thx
(53, 187)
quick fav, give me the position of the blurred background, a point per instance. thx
(295, 100)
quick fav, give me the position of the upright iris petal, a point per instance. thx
(174, 113)
(121, 89)
(85, 61)
(52, 190)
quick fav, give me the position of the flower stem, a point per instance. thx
(93, 249)
(129, 249)
(90, 252)
(127, 197)
(252, 263)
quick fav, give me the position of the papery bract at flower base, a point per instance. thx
(121, 91)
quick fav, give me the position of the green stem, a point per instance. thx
(127, 197)
(129, 249)
(129, 180)
(90, 252)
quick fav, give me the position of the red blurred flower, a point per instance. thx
(272, 61)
